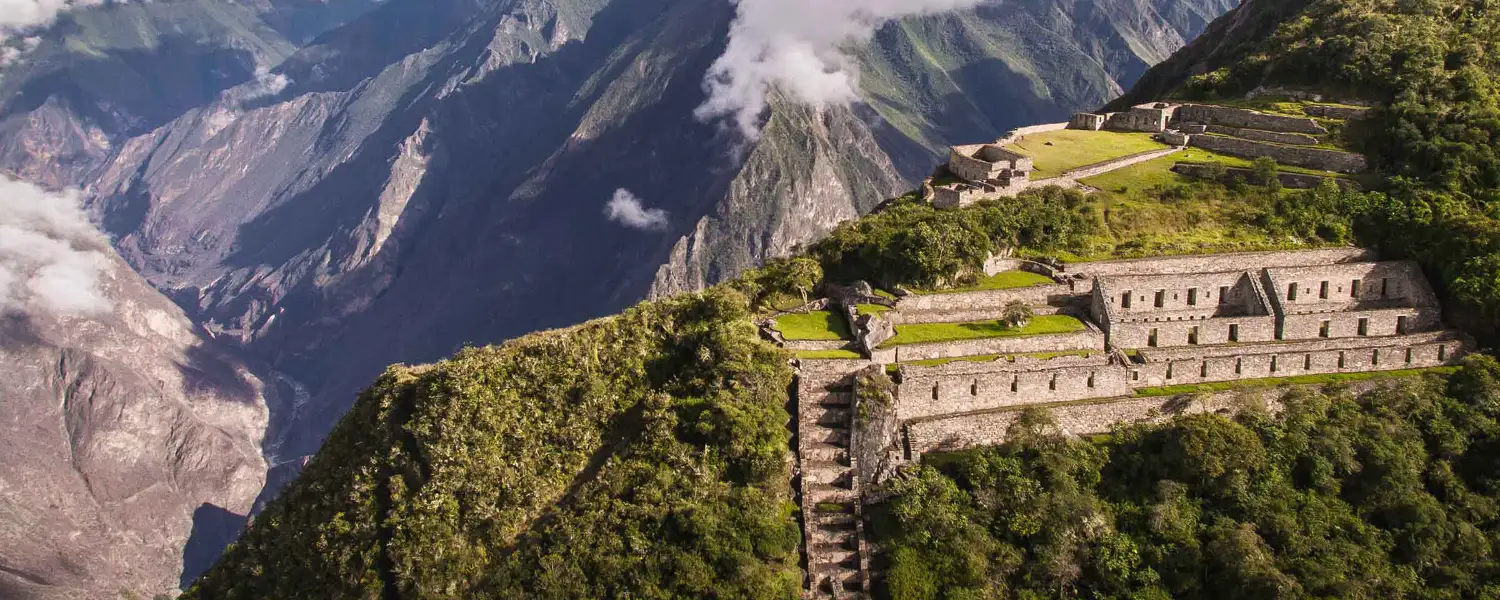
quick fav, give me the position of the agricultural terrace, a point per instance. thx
(949, 332)
(1056, 152)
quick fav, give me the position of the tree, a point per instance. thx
(1017, 314)
(1266, 172)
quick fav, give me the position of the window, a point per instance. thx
(1203, 370)
(1341, 360)
(1192, 296)
(1401, 324)
(1135, 375)
(1385, 287)
(1015, 383)
(1091, 380)
(1052, 384)
(1354, 289)
(1273, 363)
(934, 391)
(1408, 356)
(1169, 370)
(1291, 292)
(1223, 294)
(1323, 291)
(974, 388)
(1375, 357)
(1238, 366)
(1364, 326)
(1161, 298)
(1442, 352)
(1307, 362)
(1323, 331)
(1151, 339)
(1193, 335)
(1125, 300)
(1234, 332)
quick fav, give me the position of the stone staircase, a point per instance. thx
(829, 485)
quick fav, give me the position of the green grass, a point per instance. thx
(818, 325)
(948, 332)
(982, 358)
(870, 309)
(1004, 280)
(1072, 148)
(1221, 386)
(1158, 172)
(884, 294)
(839, 354)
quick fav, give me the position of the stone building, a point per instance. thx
(1086, 121)
(1140, 311)
(1355, 300)
(1151, 118)
(988, 171)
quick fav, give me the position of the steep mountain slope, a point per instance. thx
(101, 75)
(131, 443)
(314, 225)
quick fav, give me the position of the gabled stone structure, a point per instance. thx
(989, 171)
(1140, 311)
(1356, 300)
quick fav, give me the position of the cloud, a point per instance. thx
(266, 84)
(51, 257)
(795, 45)
(21, 15)
(626, 208)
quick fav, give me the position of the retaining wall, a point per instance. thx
(1293, 181)
(1177, 333)
(1250, 119)
(934, 391)
(1347, 113)
(1240, 261)
(1035, 295)
(1229, 363)
(1337, 161)
(1259, 135)
(1345, 324)
(1089, 339)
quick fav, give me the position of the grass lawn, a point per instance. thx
(828, 354)
(1158, 172)
(870, 309)
(1003, 280)
(982, 358)
(884, 294)
(818, 325)
(1073, 148)
(948, 332)
(1174, 390)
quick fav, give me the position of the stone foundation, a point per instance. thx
(1309, 158)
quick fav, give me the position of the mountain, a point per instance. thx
(132, 441)
(470, 146)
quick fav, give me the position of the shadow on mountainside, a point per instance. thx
(214, 528)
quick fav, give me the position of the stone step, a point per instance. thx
(838, 462)
(837, 476)
(833, 418)
(815, 492)
(820, 452)
(835, 400)
(824, 435)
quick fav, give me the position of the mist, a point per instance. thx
(797, 47)
(51, 258)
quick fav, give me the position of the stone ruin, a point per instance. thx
(988, 170)
(1149, 323)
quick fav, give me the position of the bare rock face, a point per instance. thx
(126, 438)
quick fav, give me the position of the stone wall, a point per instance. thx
(1334, 287)
(1347, 113)
(1090, 339)
(1213, 293)
(1346, 324)
(1059, 294)
(1337, 161)
(1180, 333)
(1293, 181)
(1086, 121)
(1250, 119)
(1260, 361)
(968, 387)
(1240, 261)
(876, 447)
(1296, 139)
(964, 166)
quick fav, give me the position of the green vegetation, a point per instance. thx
(641, 455)
(828, 354)
(1003, 280)
(1055, 152)
(1326, 378)
(1393, 494)
(817, 325)
(981, 358)
(1157, 172)
(870, 309)
(948, 332)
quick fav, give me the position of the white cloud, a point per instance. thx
(266, 84)
(795, 45)
(51, 257)
(626, 208)
(21, 15)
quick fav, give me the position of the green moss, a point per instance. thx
(1003, 280)
(1174, 390)
(817, 325)
(1072, 148)
(828, 354)
(948, 332)
(870, 309)
(885, 294)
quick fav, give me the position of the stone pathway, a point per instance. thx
(830, 487)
